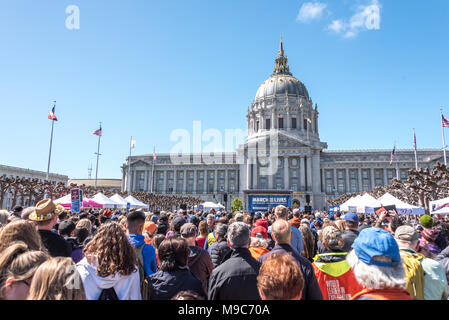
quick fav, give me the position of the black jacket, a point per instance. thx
(443, 259)
(55, 244)
(348, 237)
(165, 285)
(217, 252)
(200, 265)
(235, 278)
(311, 289)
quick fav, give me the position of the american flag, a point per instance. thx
(444, 122)
(52, 115)
(414, 141)
(392, 155)
(97, 132)
(154, 156)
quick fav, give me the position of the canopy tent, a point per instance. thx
(350, 205)
(105, 201)
(136, 204)
(119, 199)
(440, 206)
(207, 206)
(367, 203)
(401, 207)
(66, 202)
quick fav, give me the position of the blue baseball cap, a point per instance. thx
(373, 242)
(352, 217)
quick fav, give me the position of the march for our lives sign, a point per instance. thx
(264, 203)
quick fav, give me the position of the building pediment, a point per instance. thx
(140, 163)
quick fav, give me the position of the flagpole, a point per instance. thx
(397, 166)
(444, 143)
(414, 147)
(98, 155)
(129, 167)
(152, 171)
(51, 142)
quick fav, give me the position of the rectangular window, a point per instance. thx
(257, 126)
(268, 123)
(293, 123)
(281, 123)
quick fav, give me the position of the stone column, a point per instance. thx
(385, 177)
(164, 191)
(175, 181)
(309, 173)
(302, 173)
(323, 179)
(273, 120)
(215, 181)
(360, 179)
(226, 180)
(286, 173)
(205, 181)
(195, 180)
(316, 183)
(184, 187)
(145, 182)
(301, 121)
(134, 181)
(371, 173)
(288, 125)
(248, 174)
(255, 175)
(347, 180)
(335, 180)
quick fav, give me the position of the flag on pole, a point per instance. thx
(133, 144)
(52, 115)
(392, 155)
(97, 132)
(414, 140)
(444, 121)
(154, 156)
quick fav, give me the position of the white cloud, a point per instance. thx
(310, 11)
(366, 18)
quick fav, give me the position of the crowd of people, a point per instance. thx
(49, 253)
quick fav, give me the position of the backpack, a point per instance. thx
(108, 294)
(414, 273)
(144, 286)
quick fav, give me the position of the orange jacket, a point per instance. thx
(257, 252)
(335, 278)
(295, 222)
(384, 294)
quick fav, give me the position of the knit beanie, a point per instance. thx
(426, 221)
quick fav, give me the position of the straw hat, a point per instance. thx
(43, 211)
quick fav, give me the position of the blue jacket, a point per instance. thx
(297, 243)
(148, 253)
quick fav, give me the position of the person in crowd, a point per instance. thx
(259, 242)
(66, 229)
(282, 233)
(429, 235)
(351, 232)
(4, 218)
(363, 222)
(110, 261)
(149, 231)
(45, 216)
(426, 278)
(210, 222)
(157, 240)
(176, 225)
(26, 213)
(310, 249)
(281, 213)
(21, 230)
(211, 238)
(174, 275)
(199, 262)
(275, 285)
(81, 235)
(187, 295)
(236, 277)
(146, 255)
(340, 225)
(57, 279)
(220, 248)
(163, 225)
(377, 266)
(16, 213)
(335, 277)
(203, 229)
(17, 267)
(443, 259)
(85, 223)
(296, 220)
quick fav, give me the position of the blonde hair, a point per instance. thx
(84, 223)
(21, 230)
(18, 262)
(57, 279)
(340, 224)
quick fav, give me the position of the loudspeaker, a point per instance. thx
(308, 199)
(225, 197)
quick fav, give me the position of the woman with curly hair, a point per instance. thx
(110, 262)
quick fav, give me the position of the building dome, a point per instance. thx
(281, 84)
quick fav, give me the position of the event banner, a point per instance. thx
(264, 203)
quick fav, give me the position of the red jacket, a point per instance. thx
(335, 277)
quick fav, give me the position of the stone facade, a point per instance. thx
(283, 157)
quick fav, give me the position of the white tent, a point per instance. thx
(65, 199)
(105, 201)
(206, 206)
(119, 199)
(367, 203)
(134, 203)
(401, 207)
(443, 204)
(350, 205)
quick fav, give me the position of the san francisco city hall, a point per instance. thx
(283, 124)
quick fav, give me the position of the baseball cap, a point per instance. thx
(406, 233)
(178, 222)
(374, 242)
(154, 218)
(150, 227)
(259, 232)
(188, 230)
(66, 227)
(352, 217)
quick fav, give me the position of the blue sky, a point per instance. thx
(145, 68)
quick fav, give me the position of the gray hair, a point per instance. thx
(258, 243)
(239, 235)
(376, 277)
(221, 229)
